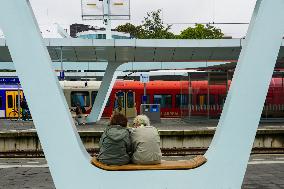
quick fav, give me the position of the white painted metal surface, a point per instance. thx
(127, 66)
(104, 92)
(138, 50)
(228, 153)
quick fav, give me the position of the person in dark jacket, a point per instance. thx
(25, 108)
(115, 144)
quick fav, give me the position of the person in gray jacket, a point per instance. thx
(115, 144)
(145, 142)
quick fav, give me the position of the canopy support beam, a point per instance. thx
(104, 92)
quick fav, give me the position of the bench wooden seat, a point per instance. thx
(165, 165)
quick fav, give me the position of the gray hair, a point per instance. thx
(141, 120)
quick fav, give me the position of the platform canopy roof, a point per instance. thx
(139, 50)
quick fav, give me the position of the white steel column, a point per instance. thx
(57, 133)
(104, 92)
(233, 140)
(67, 158)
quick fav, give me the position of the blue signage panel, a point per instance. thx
(62, 75)
(144, 99)
(9, 80)
(154, 108)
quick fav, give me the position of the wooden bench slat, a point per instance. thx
(165, 165)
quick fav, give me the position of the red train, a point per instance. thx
(176, 98)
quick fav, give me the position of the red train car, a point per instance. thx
(176, 98)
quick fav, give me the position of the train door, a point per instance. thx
(130, 104)
(12, 101)
(125, 103)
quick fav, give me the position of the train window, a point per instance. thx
(120, 99)
(201, 99)
(16, 101)
(221, 99)
(10, 101)
(164, 100)
(108, 102)
(94, 95)
(0, 101)
(81, 97)
(130, 100)
(147, 100)
(211, 99)
(182, 100)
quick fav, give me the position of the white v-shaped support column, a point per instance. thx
(104, 92)
(228, 153)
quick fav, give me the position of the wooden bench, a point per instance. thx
(165, 165)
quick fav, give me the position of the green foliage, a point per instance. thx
(134, 31)
(153, 28)
(201, 32)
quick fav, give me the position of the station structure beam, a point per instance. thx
(227, 155)
(104, 91)
(101, 66)
(133, 50)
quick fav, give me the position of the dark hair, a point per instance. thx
(118, 119)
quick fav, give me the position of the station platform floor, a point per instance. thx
(165, 124)
(264, 171)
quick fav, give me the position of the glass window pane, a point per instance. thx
(158, 99)
(81, 97)
(167, 101)
(211, 99)
(17, 101)
(201, 99)
(182, 100)
(221, 99)
(0, 101)
(10, 101)
(120, 99)
(164, 100)
(94, 95)
(130, 100)
(108, 102)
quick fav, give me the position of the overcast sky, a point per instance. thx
(66, 12)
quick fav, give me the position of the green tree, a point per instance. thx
(134, 31)
(201, 32)
(152, 28)
(155, 28)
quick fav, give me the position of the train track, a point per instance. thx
(165, 152)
